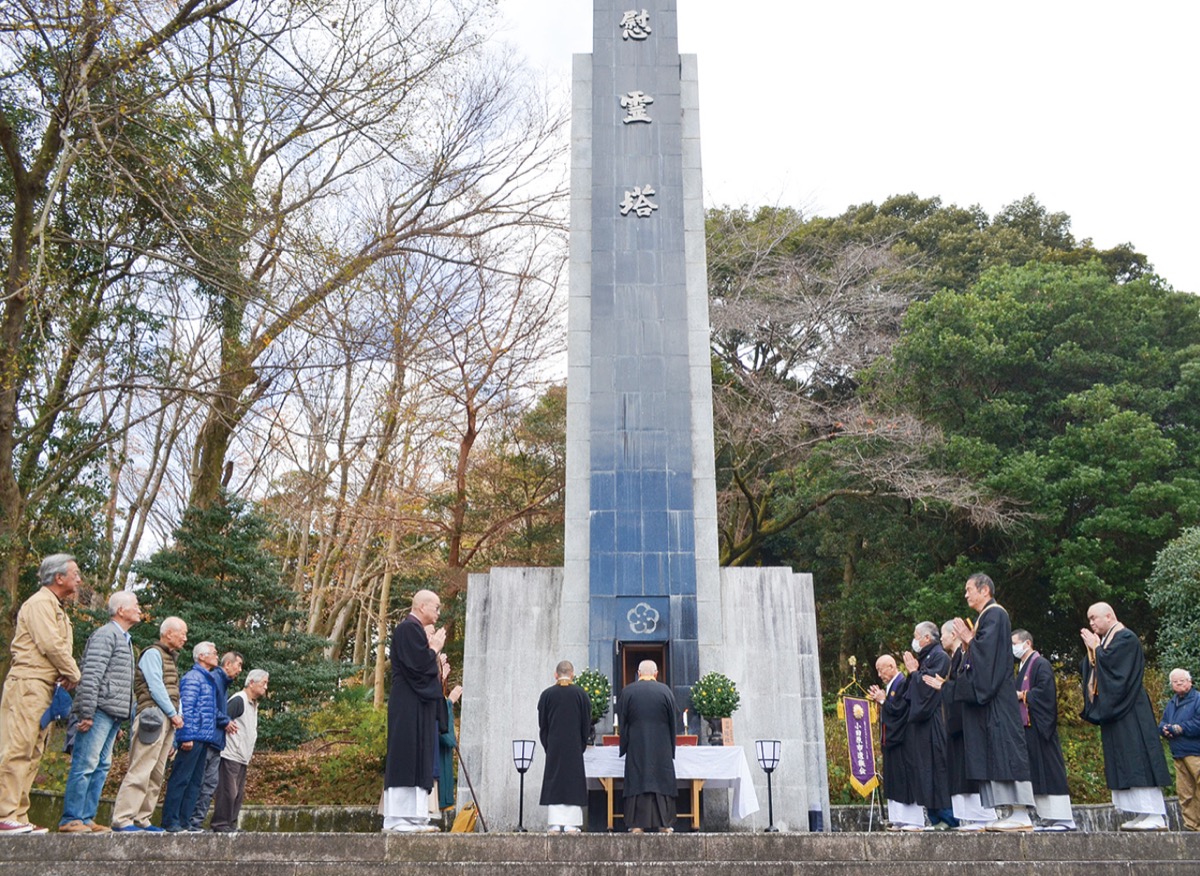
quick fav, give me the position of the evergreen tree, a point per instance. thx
(219, 578)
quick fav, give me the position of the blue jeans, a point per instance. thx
(183, 786)
(90, 760)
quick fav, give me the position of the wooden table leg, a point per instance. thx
(607, 784)
(697, 785)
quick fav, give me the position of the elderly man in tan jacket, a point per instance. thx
(41, 658)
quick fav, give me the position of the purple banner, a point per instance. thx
(863, 777)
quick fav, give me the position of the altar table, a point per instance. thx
(696, 767)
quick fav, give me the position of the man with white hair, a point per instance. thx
(239, 748)
(1181, 728)
(202, 722)
(156, 688)
(103, 702)
(41, 658)
(1114, 697)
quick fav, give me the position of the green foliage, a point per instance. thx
(1073, 395)
(596, 685)
(715, 696)
(218, 577)
(1174, 591)
(354, 733)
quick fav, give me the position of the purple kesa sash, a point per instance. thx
(1025, 688)
(863, 777)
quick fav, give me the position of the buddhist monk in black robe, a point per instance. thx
(564, 723)
(646, 710)
(993, 740)
(926, 737)
(1114, 697)
(968, 809)
(414, 705)
(1037, 698)
(904, 813)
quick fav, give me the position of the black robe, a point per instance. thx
(647, 715)
(1047, 769)
(564, 723)
(925, 737)
(413, 708)
(993, 741)
(956, 758)
(1133, 754)
(893, 728)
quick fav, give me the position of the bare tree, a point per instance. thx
(336, 144)
(796, 326)
(67, 71)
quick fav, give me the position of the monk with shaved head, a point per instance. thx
(415, 709)
(1114, 698)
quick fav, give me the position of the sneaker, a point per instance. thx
(152, 828)
(7, 827)
(175, 828)
(37, 828)
(99, 828)
(75, 826)
(194, 830)
(1053, 827)
(129, 828)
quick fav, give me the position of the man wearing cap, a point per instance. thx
(156, 689)
(103, 702)
(41, 658)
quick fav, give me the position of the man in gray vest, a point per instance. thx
(156, 688)
(239, 748)
(103, 701)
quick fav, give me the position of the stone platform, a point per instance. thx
(340, 854)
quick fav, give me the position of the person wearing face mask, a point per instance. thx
(926, 740)
(1115, 698)
(1037, 699)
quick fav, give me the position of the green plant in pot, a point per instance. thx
(715, 697)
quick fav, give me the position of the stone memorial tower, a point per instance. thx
(641, 577)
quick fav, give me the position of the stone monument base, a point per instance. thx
(763, 637)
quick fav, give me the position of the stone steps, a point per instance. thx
(341, 854)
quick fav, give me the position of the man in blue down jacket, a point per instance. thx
(1181, 727)
(202, 722)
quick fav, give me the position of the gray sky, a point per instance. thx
(1090, 106)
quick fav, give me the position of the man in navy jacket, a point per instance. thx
(1181, 727)
(203, 721)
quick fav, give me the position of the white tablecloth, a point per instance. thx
(721, 766)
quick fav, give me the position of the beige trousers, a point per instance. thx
(138, 794)
(1187, 774)
(22, 742)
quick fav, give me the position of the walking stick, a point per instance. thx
(466, 775)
